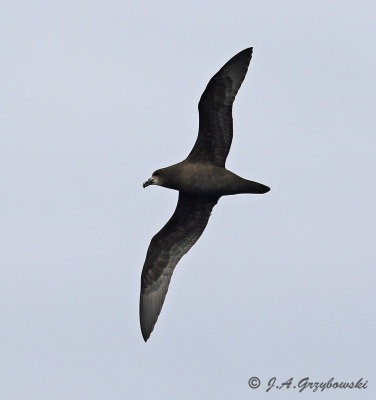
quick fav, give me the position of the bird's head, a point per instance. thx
(156, 179)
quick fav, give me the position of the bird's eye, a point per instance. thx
(156, 173)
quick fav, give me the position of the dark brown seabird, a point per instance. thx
(201, 180)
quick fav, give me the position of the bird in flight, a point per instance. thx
(201, 180)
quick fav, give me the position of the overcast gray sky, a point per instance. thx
(97, 95)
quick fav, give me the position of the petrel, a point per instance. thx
(201, 180)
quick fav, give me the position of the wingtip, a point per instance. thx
(248, 50)
(145, 332)
(245, 54)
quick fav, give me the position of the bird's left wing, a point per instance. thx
(215, 109)
(166, 249)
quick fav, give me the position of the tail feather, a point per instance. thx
(257, 188)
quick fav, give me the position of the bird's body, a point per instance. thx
(201, 180)
(207, 179)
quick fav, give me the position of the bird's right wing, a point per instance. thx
(215, 110)
(166, 249)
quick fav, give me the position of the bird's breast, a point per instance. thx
(203, 179)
